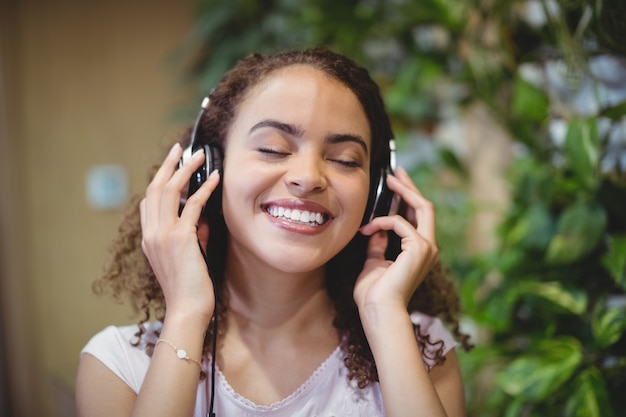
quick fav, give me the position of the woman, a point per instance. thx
(312, 318)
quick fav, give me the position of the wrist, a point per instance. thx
(187, 319)
(378, 318)
(388, 329)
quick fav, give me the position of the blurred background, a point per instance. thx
(509, 114)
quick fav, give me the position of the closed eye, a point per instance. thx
(347, 163)
(270, 152)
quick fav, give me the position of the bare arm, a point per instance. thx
(408, 389)
(169, 387)
(382, 293)
(96, 386)
(170, 243)
(448, 383)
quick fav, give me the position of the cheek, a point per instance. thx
(237, 204)
(357, 195)
(237, 189)
(236, 178)
(242, 187)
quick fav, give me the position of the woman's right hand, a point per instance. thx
(170, 242)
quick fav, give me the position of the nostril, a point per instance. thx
(301, 186)
(310, 180)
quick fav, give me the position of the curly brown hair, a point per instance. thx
(128, 273)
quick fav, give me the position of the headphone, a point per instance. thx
(212, 161)
(381, 200)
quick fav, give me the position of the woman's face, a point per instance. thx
(296, 170)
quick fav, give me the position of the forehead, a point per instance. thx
(303, 93)
(295, 73)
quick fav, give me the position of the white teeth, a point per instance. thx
(299, 216)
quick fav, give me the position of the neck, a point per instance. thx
(272, 306)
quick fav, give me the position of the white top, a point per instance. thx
(327, 393)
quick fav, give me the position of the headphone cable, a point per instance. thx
(211, 396)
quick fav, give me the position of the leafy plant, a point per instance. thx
(551, 296)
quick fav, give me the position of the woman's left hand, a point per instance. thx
(392, 283)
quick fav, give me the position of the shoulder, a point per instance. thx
(436, 336)
(117, 348)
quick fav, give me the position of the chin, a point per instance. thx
(296, 262)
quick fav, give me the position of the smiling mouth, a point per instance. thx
(298, 216)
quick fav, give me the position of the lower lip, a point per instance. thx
(299, 228)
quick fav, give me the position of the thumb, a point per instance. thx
(377, 245)
(203, 234)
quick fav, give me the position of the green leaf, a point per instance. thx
(582, 148)
(536, 375)
(514, 409)
(497, 310)
(579, 230)
(450, 160)
(608, 325)
(615, 112)
(573, 300)
(529, 102)
(590, 397)
(615, 260)
(533, 229)
(407, 96)
(481, 357)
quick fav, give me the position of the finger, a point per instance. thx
(195, 203)
(424, 210)
(153, 192)
(203, 234)
(142, 219)
(388, 223)
(401, 183)
(416, 250)
(407, 182)
(401, 174)
(169, 165)
(182, 175)
(176, 185)
(377, 245)
(142, 213)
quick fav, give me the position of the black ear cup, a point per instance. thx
(212, 162)
(382, 201)
(386, 203)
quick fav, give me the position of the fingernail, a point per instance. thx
(214, 173)
(198, 152)
(174, 148)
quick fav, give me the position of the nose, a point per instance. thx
(306, 175)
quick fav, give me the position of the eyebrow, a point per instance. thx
(298, 132)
